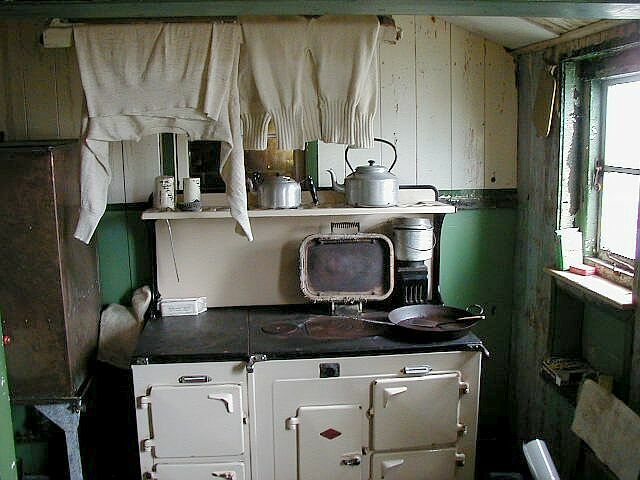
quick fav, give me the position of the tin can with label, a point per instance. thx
(164, 196)
(191, 190)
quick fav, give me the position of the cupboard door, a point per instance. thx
(200, 471)
(330, 442)
(196, 421)
(415, 412)
(426, 464)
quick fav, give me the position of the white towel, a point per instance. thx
(144, 79)
(610, 428)
(120, 328)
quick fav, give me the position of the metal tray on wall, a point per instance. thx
(346, 268)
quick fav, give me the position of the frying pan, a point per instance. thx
(434, 321)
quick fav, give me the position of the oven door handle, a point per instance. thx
(388, 465)
(226, 398)
(390, 392)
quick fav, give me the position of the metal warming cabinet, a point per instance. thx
(49, 287)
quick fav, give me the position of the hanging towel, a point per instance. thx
(144, 79)
(610, 428)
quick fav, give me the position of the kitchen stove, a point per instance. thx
(292, 393)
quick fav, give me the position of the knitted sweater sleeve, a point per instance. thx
(343, 49)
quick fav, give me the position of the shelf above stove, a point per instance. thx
(329, 210)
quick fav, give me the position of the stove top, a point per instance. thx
(279, 332)
(309, 331)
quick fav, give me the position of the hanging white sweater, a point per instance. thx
(343, 50)
(271, 73)
(144, 79)
(316, 79)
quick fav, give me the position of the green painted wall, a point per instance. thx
(477, 267)
(8, 469)
(125, 254)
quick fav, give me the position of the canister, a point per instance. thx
(164, 196)
(413, 239)
(191, 190)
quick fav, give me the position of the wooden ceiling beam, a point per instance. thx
(584, 9)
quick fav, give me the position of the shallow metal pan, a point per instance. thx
(434, 321)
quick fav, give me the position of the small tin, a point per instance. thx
(191, 189)
(164, 196)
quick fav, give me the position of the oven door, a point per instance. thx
(195, 421)
(431, 464)
(415, 412)
(329, 442)
(199, 471)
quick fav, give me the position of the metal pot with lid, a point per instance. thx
(369, 185)
(280, 191)
(413, 239)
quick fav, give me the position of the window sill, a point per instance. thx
(594, 287)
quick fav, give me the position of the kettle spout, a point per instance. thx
(338, 187)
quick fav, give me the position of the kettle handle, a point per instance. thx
(381, 140)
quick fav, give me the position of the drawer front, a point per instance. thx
(200, 471)
(196, 421)
(330, 442)
(415, 412)
(427, 464)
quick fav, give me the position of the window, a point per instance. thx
(618, 171)
(600, 157)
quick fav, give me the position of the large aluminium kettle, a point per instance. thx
(369, 185)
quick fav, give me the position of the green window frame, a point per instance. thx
(603, 166)
(584, 81)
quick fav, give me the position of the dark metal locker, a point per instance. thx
(49, 284)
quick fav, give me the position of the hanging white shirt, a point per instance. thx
(143, 79)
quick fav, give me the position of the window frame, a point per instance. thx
(600, 168)
(581, 143)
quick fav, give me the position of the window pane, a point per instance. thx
(622, 140)
(619, 213)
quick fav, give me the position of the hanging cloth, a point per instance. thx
(144, 79)
(315, 79)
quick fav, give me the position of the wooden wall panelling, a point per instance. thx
(467, 111)
(398, 99)
(433, 102)
(70, 97)
(539, 411)
(16, 105)
(501, 115)
(39, 84)
(141, 166)
(4, 94)
(330, 156)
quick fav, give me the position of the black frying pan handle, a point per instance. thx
(395, 156)
(479, 312)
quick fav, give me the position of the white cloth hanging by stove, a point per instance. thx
(316, 79)
(143, 79)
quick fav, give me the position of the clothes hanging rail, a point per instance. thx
(58, 33)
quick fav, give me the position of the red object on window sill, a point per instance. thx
(582, 269)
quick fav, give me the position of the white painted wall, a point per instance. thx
(447, 101)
